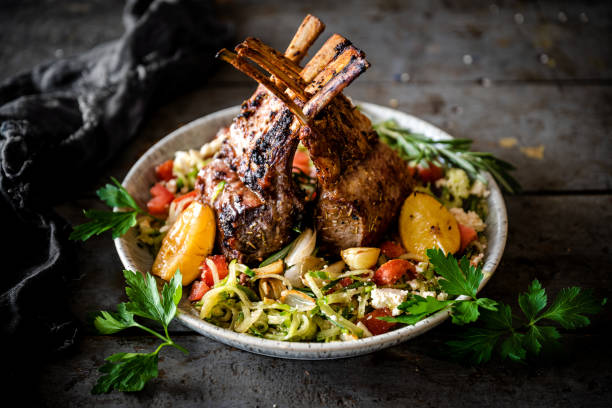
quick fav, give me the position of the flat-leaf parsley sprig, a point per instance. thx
(497, 330)
(119, 222)
(421, 150)
(131, 371)
(515, 337)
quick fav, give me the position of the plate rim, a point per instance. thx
(316, 350)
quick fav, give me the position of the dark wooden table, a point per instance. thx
(537, 74)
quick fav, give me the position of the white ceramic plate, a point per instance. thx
(141, 176)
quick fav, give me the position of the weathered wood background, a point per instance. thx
(536, 72)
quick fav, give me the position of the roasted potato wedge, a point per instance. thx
(425, 223)
(188, 242)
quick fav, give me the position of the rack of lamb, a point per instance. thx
(361, 181)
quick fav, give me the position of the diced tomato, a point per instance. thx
(159, 203)
(189, 196)
(222, 269)
(181, 202)
(346, 281)
(392, 249)
(198, 289)
(468, 234)
(302, 161)
(431, 173)
(377, 326)
(164, 170)
(391, 271)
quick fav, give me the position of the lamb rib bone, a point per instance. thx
(242, 65)
(329, 82)
(307, 33)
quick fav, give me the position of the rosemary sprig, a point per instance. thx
(421, 150)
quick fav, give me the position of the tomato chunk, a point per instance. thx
(183, 201)
(392, 249)
(198, 289)
(390, 272)
(190, 196)
(160, 202)
(431, 173)
(468, 234)
(346, 281)
(222, 269)
(164, 170)
(377, 326)
(301, 161)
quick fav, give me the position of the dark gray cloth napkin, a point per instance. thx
(59, 125)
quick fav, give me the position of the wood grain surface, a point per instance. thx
(539, 73)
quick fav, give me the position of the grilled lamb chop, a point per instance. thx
(259, 203)
(362, 181)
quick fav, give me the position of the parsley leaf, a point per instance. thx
(126, 372)
(570, 306)
(145, 299)
(119, 222)
(515, 340)
(465, 312)
(117, 196)
(533, 301)
(130, 371)
(417, 308)
(405, 319)
(475, 345)
(109, 323)
(540, 336)
(512, 347)
(101, 221)
(459, 278)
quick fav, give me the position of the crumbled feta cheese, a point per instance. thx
(186, 161)
(469, 219)
(171, 186)
(442, 296)
(421, 267)
(479, 189)
(476, 259)
(212, 147)
(428, 293)
(387, 297)
(440, 182)
(414, 284)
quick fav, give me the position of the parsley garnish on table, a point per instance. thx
(497, 330)
(131, 371)
(422, 150)
(517, 337)
(119, 222)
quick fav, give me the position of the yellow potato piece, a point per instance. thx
(188, 242)
(425, 223)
